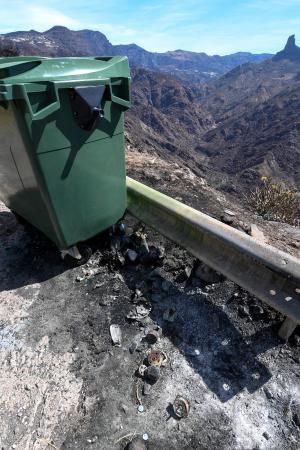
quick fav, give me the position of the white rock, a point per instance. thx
(229, 213)
(116, 335)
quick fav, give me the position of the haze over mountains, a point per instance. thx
(189, 66)
(230, 118)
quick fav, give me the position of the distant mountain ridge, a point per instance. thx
(185, 65)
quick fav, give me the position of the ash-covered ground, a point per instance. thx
(65, 385)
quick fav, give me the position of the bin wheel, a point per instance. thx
(86, 253)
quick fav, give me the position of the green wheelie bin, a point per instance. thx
(62, 164)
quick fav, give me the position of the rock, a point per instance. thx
(256, 310)
(268, 393)
(79, 279)
(190, 351)
(296, 419)
(120, 229)
(154, 255)
(296, 359)
(242, 226)
(171, 264)
(137, 443)
(91, 272)
(139, 313)
(131, 255)
(228, 212)
(138, 293)
(124, 408)
(228, 220)
(116, 335)
(243, 311)
(152, 374)
(205, 273)
(106, 300)
(120, 277)
(188, 272)
(295, 340)
(266, 435)
(146, 388)
(142, 286)
(146, 322)
(156, 274)
(121, 258)
(115, 243)
(170, 315)
(257, 234)
(295, 244)
(135, 343)
(142, 369)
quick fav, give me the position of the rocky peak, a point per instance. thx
(291, 43)
(290, 51)
(57, 29)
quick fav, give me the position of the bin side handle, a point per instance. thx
(44, 112)
(121, 101)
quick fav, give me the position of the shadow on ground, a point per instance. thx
(27, 256)
(205, 335)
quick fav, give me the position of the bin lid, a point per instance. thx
(30, 69)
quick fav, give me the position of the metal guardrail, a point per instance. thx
(270, 274)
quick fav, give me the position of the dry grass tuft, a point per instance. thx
(274, 201)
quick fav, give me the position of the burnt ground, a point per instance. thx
(64, 385)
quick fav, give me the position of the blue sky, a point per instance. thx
(211, 26)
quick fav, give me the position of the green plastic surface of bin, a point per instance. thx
(62, 164)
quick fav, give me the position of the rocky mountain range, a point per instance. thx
(256, 109)
(167, 115)
(188, 66)
(233, 130)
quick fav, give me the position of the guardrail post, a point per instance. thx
(287, 329)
